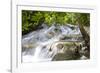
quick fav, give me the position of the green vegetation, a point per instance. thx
(31, 20)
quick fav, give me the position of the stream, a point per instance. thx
(41, 45)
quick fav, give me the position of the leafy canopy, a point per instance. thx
(32, 19)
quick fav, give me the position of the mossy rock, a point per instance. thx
(60, 46)
(68, 55)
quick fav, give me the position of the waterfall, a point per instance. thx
(39, 42)
(37, 51)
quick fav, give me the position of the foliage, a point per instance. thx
(31, 20)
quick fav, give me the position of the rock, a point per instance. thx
(84, 50)
(86, 53)
(65, 38)
(61, 56)
(68, 55)
(83, 57)
(50, 34)
(73, 37)
(71, 52)
(28, 46)
(59, 46)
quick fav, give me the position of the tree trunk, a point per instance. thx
(86, 36)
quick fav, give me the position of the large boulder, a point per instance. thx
(70, 52)
(68, 55)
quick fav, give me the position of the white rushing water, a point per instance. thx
(36, 45)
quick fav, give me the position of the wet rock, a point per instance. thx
(65, 38)
(86, 53)
(73, 37)
(59, 46)
(50, 49)
(83, 57)
(71, 52)
(68, 55)
(84, 50)
(50, 34)
(28, 48)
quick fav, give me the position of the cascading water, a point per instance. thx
(36, 45)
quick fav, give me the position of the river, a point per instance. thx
(41, 45)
